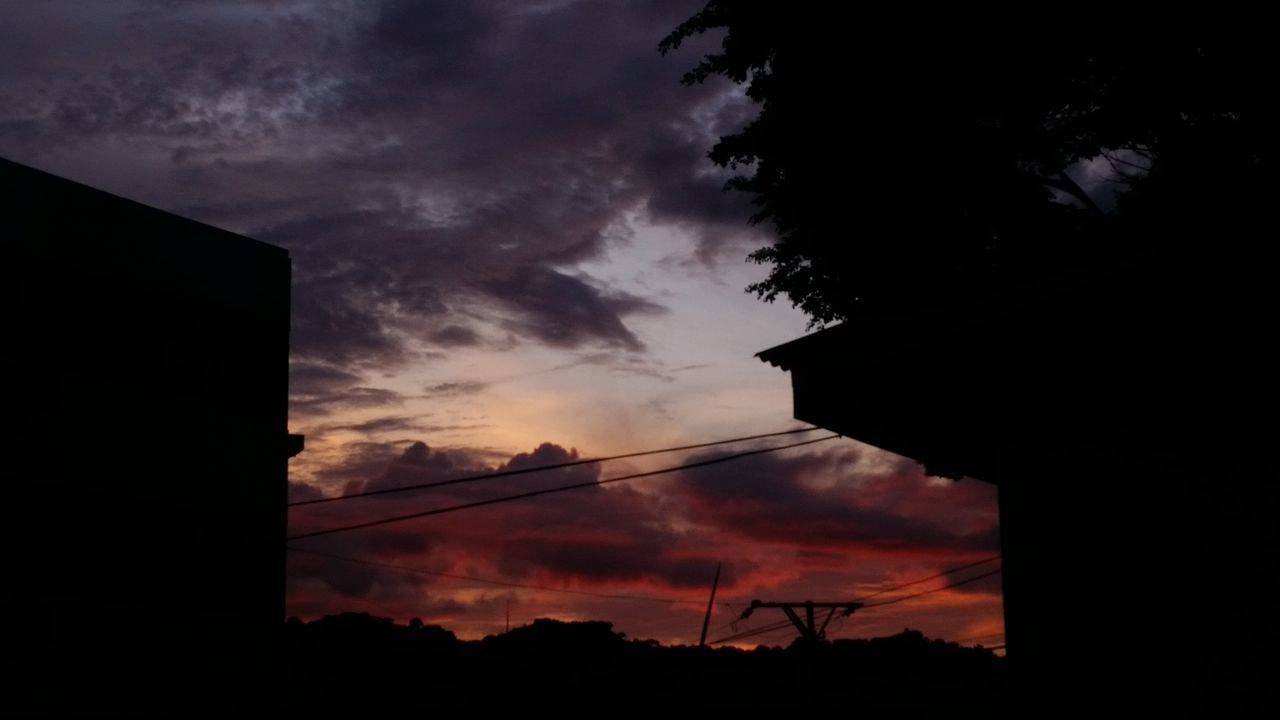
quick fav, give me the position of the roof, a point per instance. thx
(53, 220)
(876, 337)
(970, 387)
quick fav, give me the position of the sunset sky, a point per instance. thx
(508, 247)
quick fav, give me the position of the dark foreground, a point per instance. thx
(355, 662)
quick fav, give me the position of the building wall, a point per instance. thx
(148, 461)
(1125, 425)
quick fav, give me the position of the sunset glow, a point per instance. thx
(509, 249)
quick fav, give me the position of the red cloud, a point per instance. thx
(790, 527)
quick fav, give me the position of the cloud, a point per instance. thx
(439, 172)
(599, 560)
(637, 364)
(334, 322)
(772, 499)
(455, 389)
(665, 535)
(299, 492)
(840, 522)
(573, 535)
(313, 379)
(357, 397)
(551, 454)
(356, 462)
(419, 464)
(564, 311)
(455, 336)
(391, 423)
(433, 40)
(436, 169)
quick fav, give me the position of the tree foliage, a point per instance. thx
(901, 166)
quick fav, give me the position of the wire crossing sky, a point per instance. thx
(543, 468)
(551, 490)
(500, 583)
(750, 632)
(786, 623)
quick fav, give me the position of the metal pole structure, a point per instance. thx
(808, 627)
(702, 641)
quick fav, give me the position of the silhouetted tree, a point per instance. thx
(355, 663)
(900, 165)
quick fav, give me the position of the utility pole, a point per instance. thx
(508, 614)
(702, 641)
(808, 628)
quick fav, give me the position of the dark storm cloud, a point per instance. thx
(417, 158)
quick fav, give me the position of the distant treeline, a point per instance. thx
(357, 662)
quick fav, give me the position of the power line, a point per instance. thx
(735, 633)
(895, 588)
(770, 634)
(548, 491)
(500, 583)
(944, 573)
(770, 628)
(732, 624)
(753, 631)
(971, 638)
(540, 468)
(894, 601)
(837, 625)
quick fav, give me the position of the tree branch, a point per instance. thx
(1111, 158)
(1064, 183)
(1142, 151)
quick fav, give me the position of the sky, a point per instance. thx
(509, 249)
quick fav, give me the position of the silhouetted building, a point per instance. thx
(1120, 414)
(146, 451)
